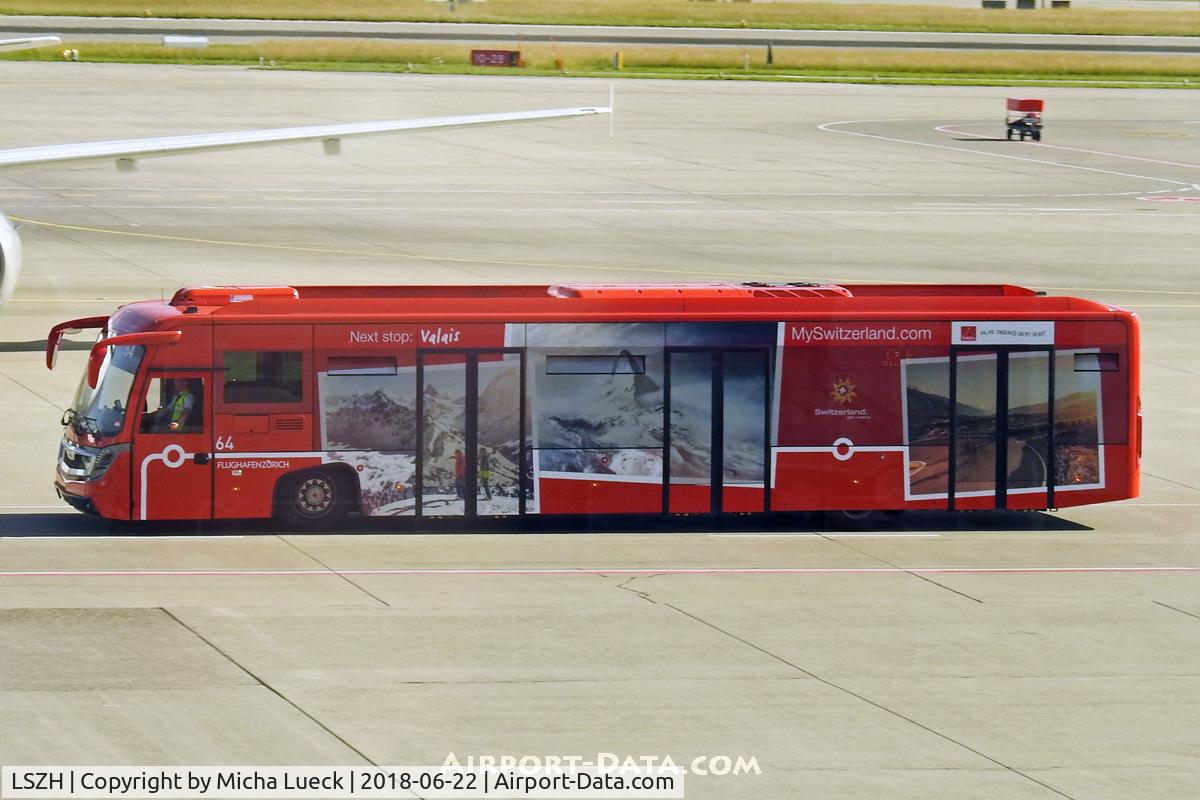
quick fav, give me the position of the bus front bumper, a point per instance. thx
(77, 502)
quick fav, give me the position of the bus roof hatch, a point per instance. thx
(695, 291)
(225, 295)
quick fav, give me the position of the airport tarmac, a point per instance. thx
(986, 656)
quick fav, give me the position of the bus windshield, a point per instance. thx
(101, 411)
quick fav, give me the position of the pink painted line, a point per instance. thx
(233, 573)
(955, 129)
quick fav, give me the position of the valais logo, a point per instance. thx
(440, 336)
(969, 333)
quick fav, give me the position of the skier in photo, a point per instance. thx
(485, 472)
(460, 475)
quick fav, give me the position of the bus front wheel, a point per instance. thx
(311, 500)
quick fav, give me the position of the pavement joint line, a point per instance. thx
(268, 686)
(876, 704)
(472, 571)
(827, 127)
(1168, 480)
(313, 558)
(1169, 366)
(897, 566)
(643, 595)
(1173, 608)
(33, 392)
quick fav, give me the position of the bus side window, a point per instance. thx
(263, 376)
(174, 405)
(154, 399)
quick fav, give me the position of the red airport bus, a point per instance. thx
(481, 402)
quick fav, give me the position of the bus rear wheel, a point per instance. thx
(312, 500)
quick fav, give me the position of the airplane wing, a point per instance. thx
(28, 42)
(127, 151)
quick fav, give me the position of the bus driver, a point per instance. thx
(177, 413)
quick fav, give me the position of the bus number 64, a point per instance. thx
(224, 442)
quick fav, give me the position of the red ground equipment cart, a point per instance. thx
(1024, 118)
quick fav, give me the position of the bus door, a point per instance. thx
(471, 429)
(1001, 427)
(716, 430)
(172, 447)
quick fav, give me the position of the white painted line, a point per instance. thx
(1153, 505)
(828, 127)
(507, 192)
(954, 129)
(61, 507)
(646, 202)
(878, 535)
(470, 572)
(976, 209)
(815, 535)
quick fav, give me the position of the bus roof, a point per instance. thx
(229, 295)
(583, 301)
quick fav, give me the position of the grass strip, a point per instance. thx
(666, 13)
(860, 65)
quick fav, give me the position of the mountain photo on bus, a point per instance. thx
(1077, 411)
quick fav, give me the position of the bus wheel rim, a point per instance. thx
(314, 495)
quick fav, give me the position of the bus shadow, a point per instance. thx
(67, 525)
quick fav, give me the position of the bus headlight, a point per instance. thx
(86, 463)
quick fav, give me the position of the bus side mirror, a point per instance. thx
(71, 326)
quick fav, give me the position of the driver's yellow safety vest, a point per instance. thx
(180, 406)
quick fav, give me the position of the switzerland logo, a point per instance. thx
(843, 392)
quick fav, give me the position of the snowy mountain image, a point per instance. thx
(498, 428)
(585, 421)
(386, 480)
(369, 412)
(613, 424)
(376, 416)
(444, 432)
(373, 421)
(498, 433)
